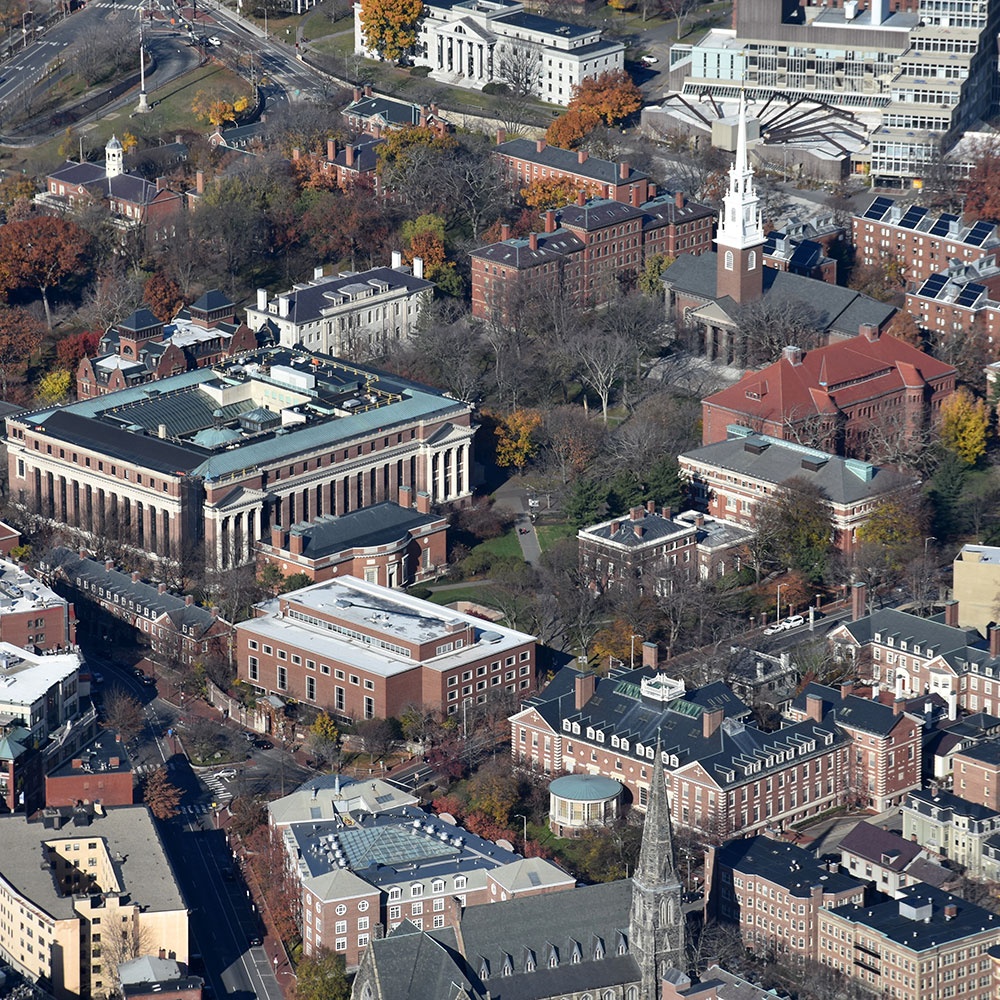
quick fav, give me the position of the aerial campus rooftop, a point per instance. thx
(214, 457)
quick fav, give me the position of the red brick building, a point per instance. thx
(586, 249)
(393, 545)
(885, 757)
(949, 303)
(354, 163)
(101, 772)
(728, 479)
(976, 773)
(838, 398)
(143, 349)
(362, 651)
(921, 244)
(32, 615)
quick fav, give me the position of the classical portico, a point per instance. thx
(466, 50)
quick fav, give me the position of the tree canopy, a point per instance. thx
(389, 27)
(965, 422)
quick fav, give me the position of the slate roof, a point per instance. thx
(365, 156)
(863, 714)
(888, 920)
(654, 525)
(843, 480)
(380, 524)
(196, 619)
(79, 173)
(518, 253)
(547, 25)
(930, 634)
(597, 213)
(945, 806)
(838, 310)
(987, 752)
(784, 864)
(829, 378)
(413, 965)
(141, 319)
(568, 161)
(212, 301)
(882, 847)
(398, 113)
(925, 870)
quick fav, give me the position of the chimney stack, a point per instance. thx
(859, 601)
(505, 232)
(636, 196)
(357, 94)
(405, 496)
(295, 154)
(188, 600)
(792, 354)
(710, 721)
(539, 145)
(678, 199)
(624, 170)
(639, 530)
(898, 706)
(501, 136)
(199, 181)
(135, 576)
(581, 156)
(814, 707)
(869, 331)
(295, 542)
(418, 267)
(277, 536)
(349, 155)
(161, 183)
(584, 686)
(368, 90)
(650, 655)
(331, 149)
(423, 502)
(846, 688)
(581, 199)
(161, 588)
(550, 220)
(650, 506)
(995, 640)
(637, 513)
(533, 241)
(951, 613)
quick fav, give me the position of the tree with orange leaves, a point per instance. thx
(389, 27)
(553, 192)
(163, 296)
(982, 186)
(608, 98)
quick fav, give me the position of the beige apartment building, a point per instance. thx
(976, 585)
(83, 891)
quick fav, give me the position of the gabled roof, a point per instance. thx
(597, 213)
(927, 633)
(882, 847)
(568, 161)
(853, 712)
(413, 965)
(518, 252)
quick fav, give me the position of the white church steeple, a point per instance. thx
(740, 223)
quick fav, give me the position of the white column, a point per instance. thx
(455, 461)
(466, 458)
(430, 475)
(442, 458)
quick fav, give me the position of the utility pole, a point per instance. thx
(143, 105)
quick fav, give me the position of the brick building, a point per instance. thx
(100, 771)
(976, 773)
(955, 828)
(774, 892)
(393, 545)
(723, 775)
(374, 115)
(886, 743)
(142, 349)
(200, 465)
(728, 479)
(353, 163)
(32, 615)
(843, 398)
(958, 297)
(129, 609)
(922, 244)
(362, 651)
(586, 249)
(647, 545)
(427, 871)
(927, 943)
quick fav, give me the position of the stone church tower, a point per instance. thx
(656, 924)
(740, 236)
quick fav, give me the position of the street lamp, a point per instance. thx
(777, 616)
(929, 538)
(631, 650)
(524, 821)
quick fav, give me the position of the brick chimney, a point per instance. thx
(277, 536)
(405, 498)
(869, 331)
(584, 686)
(951, 613)
(710, 721)
(501, 136)
(423, 116)
(349, 155)
(295, 542)
(581, 156)
(581, 198)
(650, 655)
(636, 196)
(357, 94)
(639, 530)
(650, 191)
(624, 170)
(109, 564)
(423, 502)
(613, 527)
(678, 199)
(505, 231)
(550, 220)
(161, 588)
(995, 640)
(814, 707)
(533, 241)
(898, 706)
(331, 149)
(161, 183)
(859, 601)
(699, 520)
(650, 506)
(637, 513)
(295, 154)
(135, 576)
(368, 90)
(199, 181)
(188, 600)
(539, 145)
(846, 687)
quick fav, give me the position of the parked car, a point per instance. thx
(255, 941)
(215, 40)
(263, 745)
(649, 60)
(794, 621)
(775, 628)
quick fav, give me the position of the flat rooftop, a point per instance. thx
(980, 554)
(25, 677)
(391, 614)
(131, 840)
(19, 591)
(103, 755)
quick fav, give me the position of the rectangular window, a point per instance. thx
(282, 678)
(369, 707)
(253, 668)
(311, 688)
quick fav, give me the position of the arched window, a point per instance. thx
(729, 260)
(752, 260)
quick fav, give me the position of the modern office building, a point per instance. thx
(201, 465)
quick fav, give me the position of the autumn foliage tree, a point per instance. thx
(389, 27)
(272, 877)
(41, 253)
(163, 296)
(20, 337)
(71, 350)
(516, 435)
(965, 422)
(554, 192)
(608, 98)
(161, 795)
(982, 186)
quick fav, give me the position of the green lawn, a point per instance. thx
(505, 545)
(470, 593)
(549, 534)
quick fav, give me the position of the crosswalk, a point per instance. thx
(218, 788)
(196, 808)
(149, 768)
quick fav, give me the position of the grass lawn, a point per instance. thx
(470, 593)
(549, 534)
(505, 545)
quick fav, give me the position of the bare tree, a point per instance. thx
(519, 67)
(603, 358)
(123, 714)
(769, 324)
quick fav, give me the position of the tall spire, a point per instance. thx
(740, 222)
(656, 926)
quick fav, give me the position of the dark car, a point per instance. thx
(263, 745)
(254, 941)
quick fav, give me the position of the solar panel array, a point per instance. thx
(980, 233)
(968, 295)
(943, 225)
(878, 208)
(932, 287)
(912, 217)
